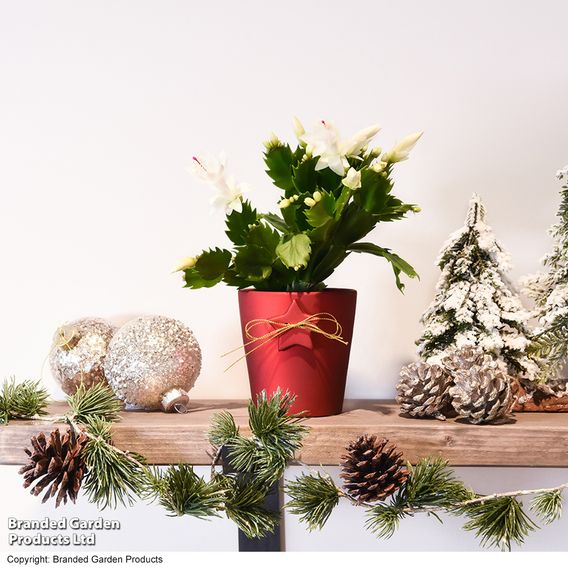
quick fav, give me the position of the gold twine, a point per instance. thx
(310, 323)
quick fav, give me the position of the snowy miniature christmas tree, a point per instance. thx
(475, 304)
(550, 293)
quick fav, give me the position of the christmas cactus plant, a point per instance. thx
(332, 193)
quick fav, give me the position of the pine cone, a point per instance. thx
(55, 462)
(482, 393)
(372, 470)
(423, 390)
(466, 358)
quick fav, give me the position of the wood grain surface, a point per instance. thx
(529, 439)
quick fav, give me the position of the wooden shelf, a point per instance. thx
(531, 439)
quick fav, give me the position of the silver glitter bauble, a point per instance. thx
(152, 362)
(78, 353)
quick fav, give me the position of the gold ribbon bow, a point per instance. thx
(310, 323)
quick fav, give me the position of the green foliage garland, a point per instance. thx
(498, 520)
(117, 478)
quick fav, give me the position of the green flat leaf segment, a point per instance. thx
(209, 269)
(305, 177)
(374, 191)
(295, 251)
(254, 260)
(321, 212)
(239, 223)
(279, 160)
(213, 263)
(399, 265)
(276, 221)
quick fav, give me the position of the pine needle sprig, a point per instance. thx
(22, 400)
(548, 506)
(277, 433)
(245, 454)
(313, 497)
(113, 477)
(244, 505)
(276, 436)
(383, 520)
(499, 522)
(182, 492)
(433, 484)
(98, 400)
(223, 429)
(250, 456)
(271, 422)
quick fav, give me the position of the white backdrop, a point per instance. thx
(102, 105)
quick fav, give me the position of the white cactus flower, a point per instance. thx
(272, 141)
(230, 195)
(185, 263)
(325, 142)
(229, 192)
(379, 166)
(299, 129)
(208, 168)
(360, 141)
(353, 179)
(399, 152)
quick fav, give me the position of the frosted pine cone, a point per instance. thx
(423, 390)
(482, 393)
(465, 358)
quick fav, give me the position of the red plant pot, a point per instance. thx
(309, 364)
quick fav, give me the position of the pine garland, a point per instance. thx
(118, 478)
(498, 520)
(115, 477)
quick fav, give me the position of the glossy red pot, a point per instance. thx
(301, 360)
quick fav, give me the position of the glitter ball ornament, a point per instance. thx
(152, 362)
(78, 353)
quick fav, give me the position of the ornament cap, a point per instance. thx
(66, 337)
(175, 400)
